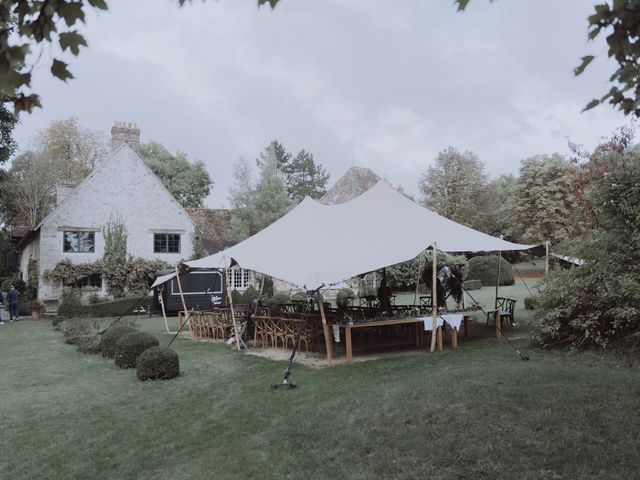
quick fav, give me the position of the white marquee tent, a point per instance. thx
(316, 244)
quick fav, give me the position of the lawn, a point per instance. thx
(478, 412)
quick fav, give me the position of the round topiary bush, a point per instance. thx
(130, 346)
(157, 363)
(485, 269)
(110, 337)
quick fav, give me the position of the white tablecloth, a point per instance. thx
(428, 323)
(454, 321)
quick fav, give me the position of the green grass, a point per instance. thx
(478, 412)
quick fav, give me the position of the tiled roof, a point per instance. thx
(355, 182)
(214, 224)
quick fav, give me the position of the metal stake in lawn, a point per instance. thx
(522, 355)
(309, 301)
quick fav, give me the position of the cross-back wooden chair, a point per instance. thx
(505, 307)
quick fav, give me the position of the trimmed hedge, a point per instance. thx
(130, 346)
(72, 308)
(111, 336)
(157, 363)
(472, 284)
(485, 269)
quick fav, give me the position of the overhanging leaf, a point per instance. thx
(586, 60)
(72, 41)
(59, 69)
(100, 4)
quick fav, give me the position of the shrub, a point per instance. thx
(57, 321)
(472, 284)
(70, 305)
(88, 343)
(236, 297)
(249, 295)
(157, 363)
(130, 346)
(113, 308)
(111, 336)
(485, 269)
(530, 302)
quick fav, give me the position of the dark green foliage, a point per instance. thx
(7, 123)
(111, 336)
(157, 363)
(128, 347)
(113, 308)
(82, 332)
(56, 321)
(472, 284)
(599, 302)
(249, 295)
(70, 305)
(530, 302)
(188, 182)
(485, 269)
(236, 297)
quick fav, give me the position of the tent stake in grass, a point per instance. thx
(522, 355)
(310, 298)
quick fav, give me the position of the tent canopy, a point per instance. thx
(316, 244)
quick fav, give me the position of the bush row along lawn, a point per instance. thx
(478, 412)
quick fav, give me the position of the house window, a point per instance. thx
(93, 280)
(166, 243)
(79, 242)
(239, 278)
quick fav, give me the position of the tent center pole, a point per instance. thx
(434, 297)
(325, 329)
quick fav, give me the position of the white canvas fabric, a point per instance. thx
(316, 244)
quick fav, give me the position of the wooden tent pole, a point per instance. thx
(546, 258)
(434, 297)
(230, 297)
(164, 312)
(498, 279)
(325, 329)
(184, 304)
(415, 295)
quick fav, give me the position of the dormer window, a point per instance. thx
(79, 242)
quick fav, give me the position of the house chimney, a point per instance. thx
(123, 132)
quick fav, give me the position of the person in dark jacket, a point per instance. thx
(12, 299)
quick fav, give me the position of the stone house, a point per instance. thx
(123, 187)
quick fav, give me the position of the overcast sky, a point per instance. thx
(376, 83)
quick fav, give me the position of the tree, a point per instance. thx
(29, 189)
(74, 150)
(544, 204)
(305, 178)
(458, 188)
(274, 150)
(64, 152)
(7, 123)
(189, 183)
(29, 24)
(301, 174)
(257, 206)
(599, 302)
(622, 19)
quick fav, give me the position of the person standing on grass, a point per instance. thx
(12, 298)
(1, 300)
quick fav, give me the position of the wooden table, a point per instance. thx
(400, 321)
